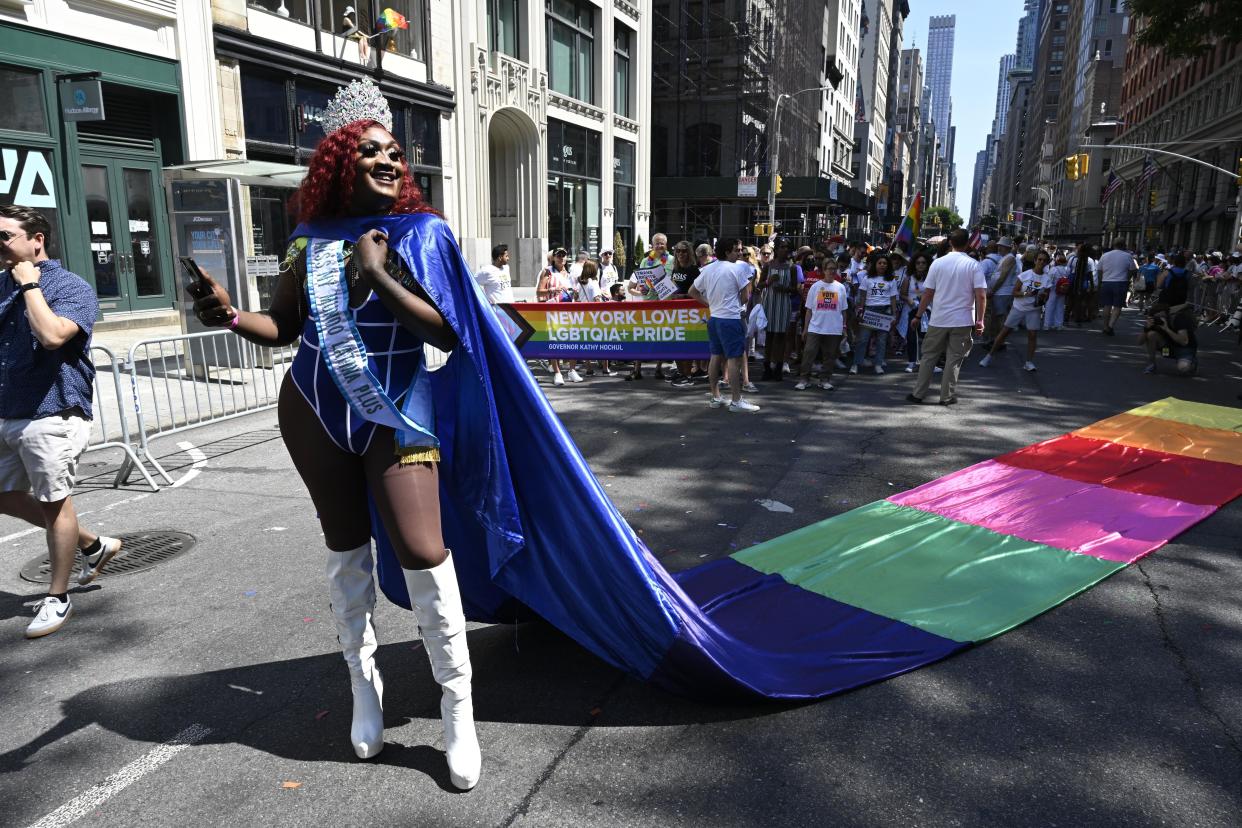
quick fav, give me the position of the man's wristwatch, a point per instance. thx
(28, 287)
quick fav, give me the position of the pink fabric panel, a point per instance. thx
(1069, 514)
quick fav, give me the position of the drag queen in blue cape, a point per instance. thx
(360, 286)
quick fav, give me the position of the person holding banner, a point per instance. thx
(878, 297)
(825, 307)
(357, 413)
(555, 285)
(653, 269)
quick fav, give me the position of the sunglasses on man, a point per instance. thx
(9, 235)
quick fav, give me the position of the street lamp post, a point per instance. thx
(1047, 194)
(775, 143)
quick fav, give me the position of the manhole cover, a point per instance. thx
(139, 551)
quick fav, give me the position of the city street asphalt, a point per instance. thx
(1122, 706)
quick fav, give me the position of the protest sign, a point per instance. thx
(655, 281)
(608, 330)
(878, 321)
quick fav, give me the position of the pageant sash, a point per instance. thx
(342, 348)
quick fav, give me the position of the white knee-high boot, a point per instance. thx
(351, 590)
(437, 605)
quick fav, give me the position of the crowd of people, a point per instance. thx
(810, 312)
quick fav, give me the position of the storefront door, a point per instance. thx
(129, 242)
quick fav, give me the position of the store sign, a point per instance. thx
(747, 186)
(26, 178)
(82, 100)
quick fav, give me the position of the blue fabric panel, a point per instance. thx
(760, 635)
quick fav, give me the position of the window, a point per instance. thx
(621, 93)
(21, 95)
(298, 10)
(571, 48)
(623, 177)
(1108, 47)
(502, 26)
(573, 186)
(360, 16)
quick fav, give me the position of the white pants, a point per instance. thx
(41, 456)
(1054, 311)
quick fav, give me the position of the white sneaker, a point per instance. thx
(50, 617)
(1028, 366)
(986, 361)
(573, 376)
(827, 386)
(879, 369)
(785, 367)
(557, 379)
(750, 388)
(802, 386)
(937, 370)
(909, 367)
(715, 402)
(853, 369)
(743, 406)
(92, 566)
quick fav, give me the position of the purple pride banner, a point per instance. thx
(673, 329)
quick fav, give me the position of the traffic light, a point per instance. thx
(1084, 161)
(1071, 168)
(1151, 197)
(1009, 217)
(763, 230)
(1240, 172)
(779, 185)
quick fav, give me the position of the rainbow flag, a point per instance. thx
(910, 224)
(390, 20)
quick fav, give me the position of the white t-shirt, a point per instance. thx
(720, 283)
(880, 291)
(954, 278)
(1116, 266)
(1034, 283)
(1009, 263)
(607, 277)
(496, 284)
(827, 303)
(589, 292)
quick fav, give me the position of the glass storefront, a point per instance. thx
(574, 187)
(623, 182)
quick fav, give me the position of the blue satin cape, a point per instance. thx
(718, 631)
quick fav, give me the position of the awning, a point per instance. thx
(258, 173)
(1219, 210)
(1180, 215)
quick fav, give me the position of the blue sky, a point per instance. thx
(986, 29)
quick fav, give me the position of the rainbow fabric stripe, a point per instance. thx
(903, 582)
(911, 223)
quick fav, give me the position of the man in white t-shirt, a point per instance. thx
(724, 285)
(1115, 269)
(957, 293)
(608, 273)
(826, 303)
(575, 269)
(494, 278)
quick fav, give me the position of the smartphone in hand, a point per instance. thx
(198, 282)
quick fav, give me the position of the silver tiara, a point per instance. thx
(360, 101)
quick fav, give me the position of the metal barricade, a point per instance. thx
(110, 427)
(181, 382)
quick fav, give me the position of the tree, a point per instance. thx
(640, 250)
(1186, 28)
(942, 217)
(618, 250)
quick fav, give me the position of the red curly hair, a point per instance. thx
(328, 188)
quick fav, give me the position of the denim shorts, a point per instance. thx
(726, 337)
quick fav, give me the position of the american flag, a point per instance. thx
(1149, 171)
(1114, 184)
(976, 239)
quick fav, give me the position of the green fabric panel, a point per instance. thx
(953, 579)
(1199, 414)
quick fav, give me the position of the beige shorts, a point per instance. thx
(41, 456)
